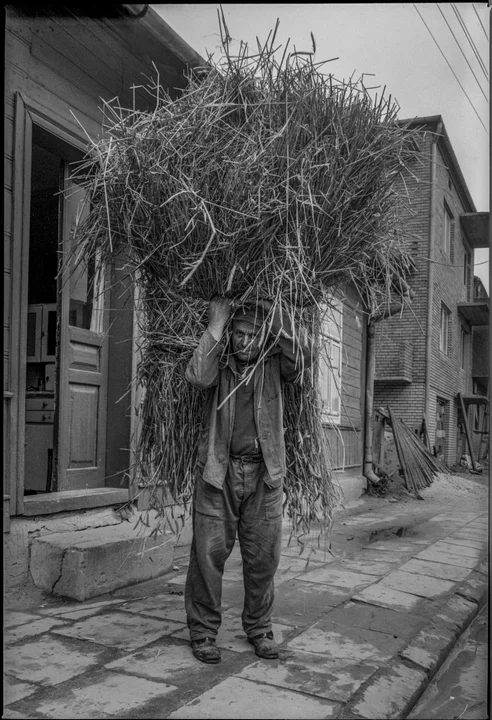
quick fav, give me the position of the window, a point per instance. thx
(464, 349)
(467, 273)
(331, 361)
(444, 333)
(448, 231)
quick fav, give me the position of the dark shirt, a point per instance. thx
(244, 440)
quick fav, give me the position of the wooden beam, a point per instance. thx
(467, 431)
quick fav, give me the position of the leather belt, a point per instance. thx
(247, 458)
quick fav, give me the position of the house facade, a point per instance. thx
(424, 358)
(68, 350)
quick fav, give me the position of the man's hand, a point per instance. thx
(219, 312)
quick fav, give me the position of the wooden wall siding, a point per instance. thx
(345, 440)
(345, 447)
(63, 66)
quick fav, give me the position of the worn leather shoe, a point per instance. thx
(265, 645)
(205, 650)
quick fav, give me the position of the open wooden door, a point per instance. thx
(82, 377)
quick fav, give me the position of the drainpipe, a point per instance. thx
(367, 469)
(430, 275)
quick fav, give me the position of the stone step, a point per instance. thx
(86, 563)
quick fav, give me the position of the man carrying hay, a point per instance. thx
(241, 467)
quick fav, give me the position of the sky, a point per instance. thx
(433, 58)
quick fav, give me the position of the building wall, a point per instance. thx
(447, 378)
(63, 66)
(345, 438)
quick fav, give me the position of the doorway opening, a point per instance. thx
(41, 350)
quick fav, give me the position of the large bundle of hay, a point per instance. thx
(264, 179)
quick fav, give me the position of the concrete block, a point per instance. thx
(353, 486)
(240, 699)
(474, 588)
(92, 562)
(430, 647)
(457, 612)
(391, 694)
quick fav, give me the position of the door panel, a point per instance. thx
(83, 362)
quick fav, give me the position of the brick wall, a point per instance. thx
(447, 378)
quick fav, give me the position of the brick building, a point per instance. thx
(425, 356)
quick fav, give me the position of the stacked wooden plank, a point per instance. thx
(418, 464)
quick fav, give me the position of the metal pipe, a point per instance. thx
(368, 470)
(430, 273)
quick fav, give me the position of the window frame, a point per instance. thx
(448, 231)
(444, 329)
(330, 363)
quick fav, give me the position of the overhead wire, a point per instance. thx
(480, 21)
(470, 40)
(451, 68)
(461, 49)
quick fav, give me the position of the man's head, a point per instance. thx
(248, 333)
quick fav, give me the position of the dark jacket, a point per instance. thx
(203, 371)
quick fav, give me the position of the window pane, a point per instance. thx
(86, 285)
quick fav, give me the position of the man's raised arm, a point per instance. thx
(203, 367)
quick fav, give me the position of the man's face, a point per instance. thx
(246, 341)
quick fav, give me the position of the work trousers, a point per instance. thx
(245, 506)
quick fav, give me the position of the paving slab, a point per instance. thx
(337, 576)
(165, 607)
(350, 644)
(111, 696)
(466, 542)
(385, 596)
(37, 627)
(14, 690)
(48, 661)
(370, 617)
(299, 603)
(173, 663)
(457, 549)
(390, 694)
(446, 557)
(13, 618)
(421, 585)
(64, 610)
(312, 674)
(393, 546)
(120, 630)
(240, 699)
(435, 569)
(429, 647)
(369, 567)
